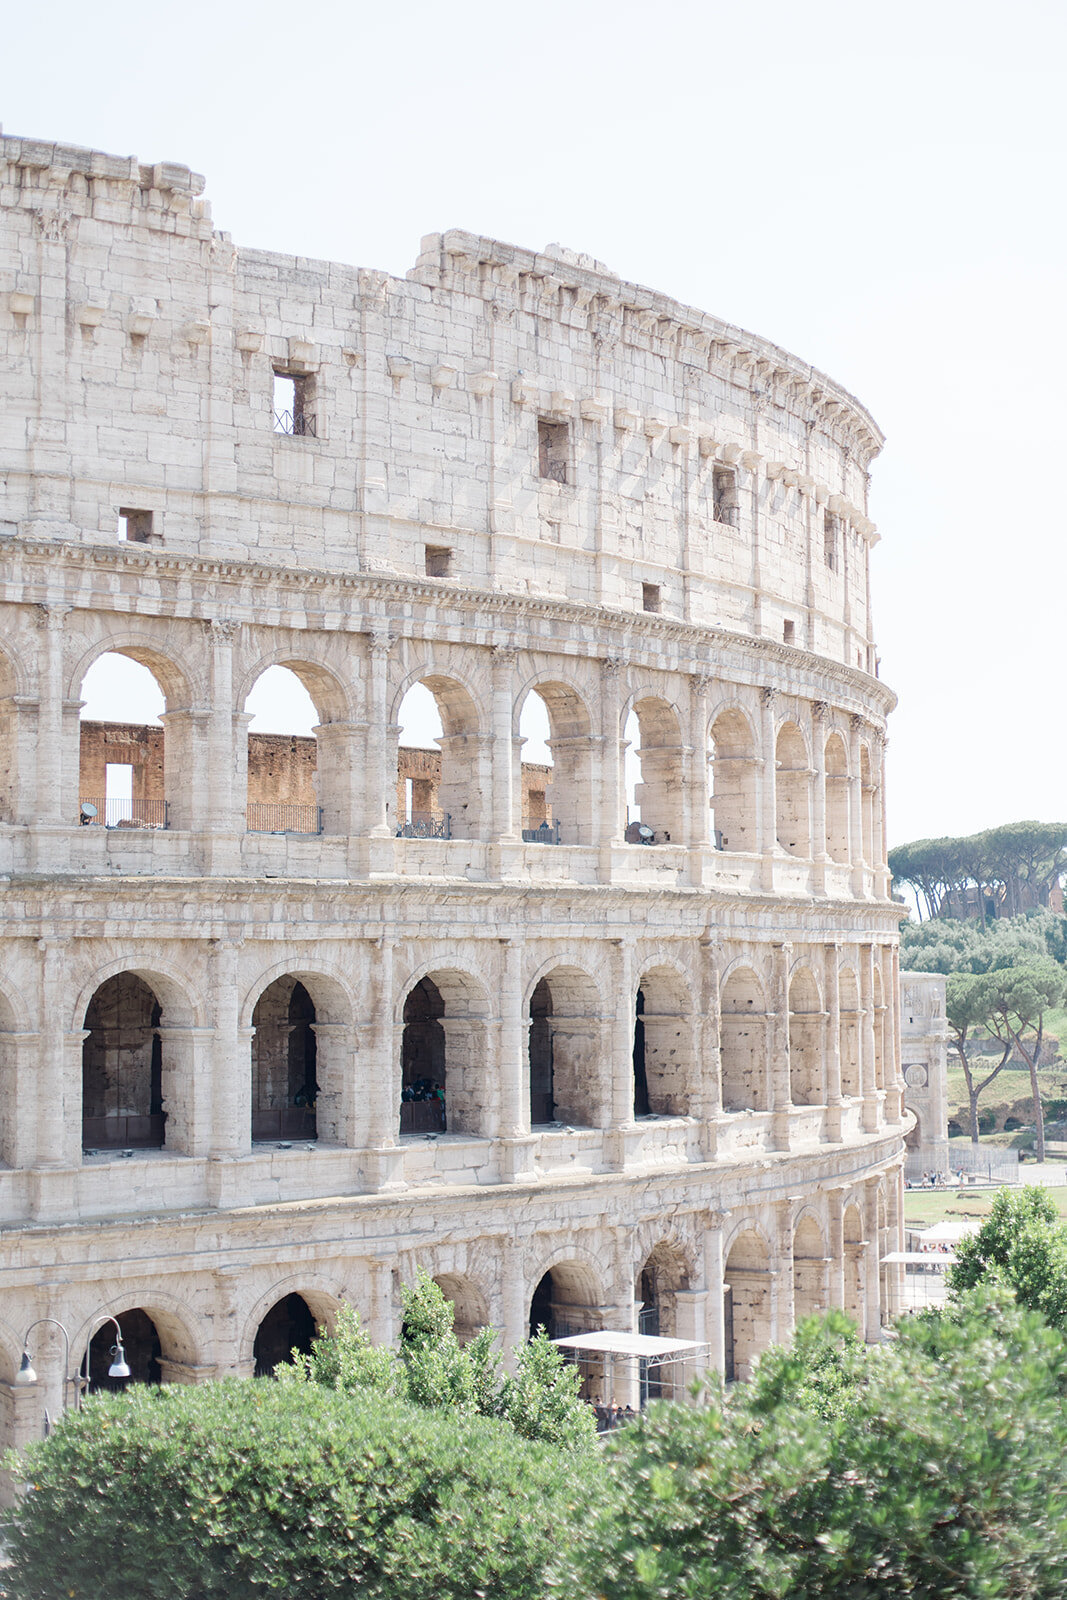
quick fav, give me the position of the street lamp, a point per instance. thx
(118, 1368)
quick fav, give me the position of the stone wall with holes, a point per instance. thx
(409, 535)
(155, 340)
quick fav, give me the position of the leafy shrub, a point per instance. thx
(938, 1471)
(241, 1490)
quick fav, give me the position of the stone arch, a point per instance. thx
(174, 1328)
(855, 1266)
(660, 795)
(444, 1016)
(162, 761)
(811, 1292)
(746, 1301)
(837, 792)
(454, 797)
(743, 1042)
(137, 1089)
(570, 782)
(184, 1004)
(564, 1049)
(567, 1296)
(469, 1303)
(664, 1272)
(299, 781)
(792, 791)
(733, 800)
(664, 1065)
(850, 1020)
(322, 1299)
(806, 1025)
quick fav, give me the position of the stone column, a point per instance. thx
(894, 1099)
(341, 766)
(836, 1204)
(778, 1029)
(55, 775)
(186, 757)
(768, 828)
(226, 756)
(513, 1068)
(832, 1041)
(872, 1265)
(514, 1306)
(381, 1321)
(608, 821)
(782, 1297)
(819, 853)
(709, 1063)
(714, 1281)
(502, 810)
(698, 836)
(232, 1074)
(19, 1121)
(867, 1083)
(621, 1086)
(855, 807)
(379, 775)
(188, 1066)
(382, 1070)
(59, 1087)
(339, 1108)
(882, 875)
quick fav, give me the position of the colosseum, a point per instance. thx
(603, 1038)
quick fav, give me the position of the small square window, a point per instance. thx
(830, 540)
(724, 495)
(438, 561)
(294, 404)
(553, 449)
(135, 527)
(788, 632)
(651, 598)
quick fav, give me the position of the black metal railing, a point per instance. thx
(284, 1122)
(283, 816)
(426, 827)
(297, 424)
(544, 833)
(95, 812)
(123, 1133)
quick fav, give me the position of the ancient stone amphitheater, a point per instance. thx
(606, 1039)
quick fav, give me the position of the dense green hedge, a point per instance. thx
(239, 1490)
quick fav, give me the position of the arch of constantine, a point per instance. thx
(604, 1038)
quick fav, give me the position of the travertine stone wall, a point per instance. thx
(516, 473)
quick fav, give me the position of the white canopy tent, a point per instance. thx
(674, 1362)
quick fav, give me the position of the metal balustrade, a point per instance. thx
(283, 816)
(426, 827)
(544, 833)
(95, 812)
(296, 424)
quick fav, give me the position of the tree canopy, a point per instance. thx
(999, 872)
(1022, 1244)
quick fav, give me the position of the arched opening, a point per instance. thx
(658, 1283)
(443, 1077)
(743, 1043)
(747, 1304)
(854, 1266)
(837, 844)
(564, 1051)
(557, 774)
(444, 780)
(289, 1325)
(849, 1003)
(123, 1067)
(792, 791)
(468, 1302)
(733, 800)
(810, 1270)
(868, 793)
(285, 1087)
(656, 787)
(125, 765)
(806, 1076)
(283, 767)
(142, 1348)
(913, 1139)
(663, 1045)
(565, 1302)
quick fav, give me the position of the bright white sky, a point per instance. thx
(879, 188)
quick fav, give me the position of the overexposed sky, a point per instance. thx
(879, 188)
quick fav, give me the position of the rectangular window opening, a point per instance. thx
(294, 404)
(788, 632)
(829, 525)
(438, 561)
(553, 449)
(724, 495)
(135, 527)
(651, 598)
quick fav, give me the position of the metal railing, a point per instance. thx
(96, 812)
(544, 833)
(124, 1133)
(283, 816)
(426, 827)
(296, 424)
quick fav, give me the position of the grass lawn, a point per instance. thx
(924, 1207)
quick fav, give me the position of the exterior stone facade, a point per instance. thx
(670, 1071)
(924, 1040)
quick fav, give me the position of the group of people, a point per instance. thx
(611, 1415)
(423, 1089)
(937, 1180)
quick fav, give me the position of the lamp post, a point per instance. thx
(26, 1376)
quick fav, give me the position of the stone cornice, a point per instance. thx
(42, 567)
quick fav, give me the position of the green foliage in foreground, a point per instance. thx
(434, 1370)
(940, 1472)
(243, 1491)
(1023, 1245)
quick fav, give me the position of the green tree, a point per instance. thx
(939, 1471)
(967, 1011)
(1018, 998)
(1022, 1244)
(246, 1490)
